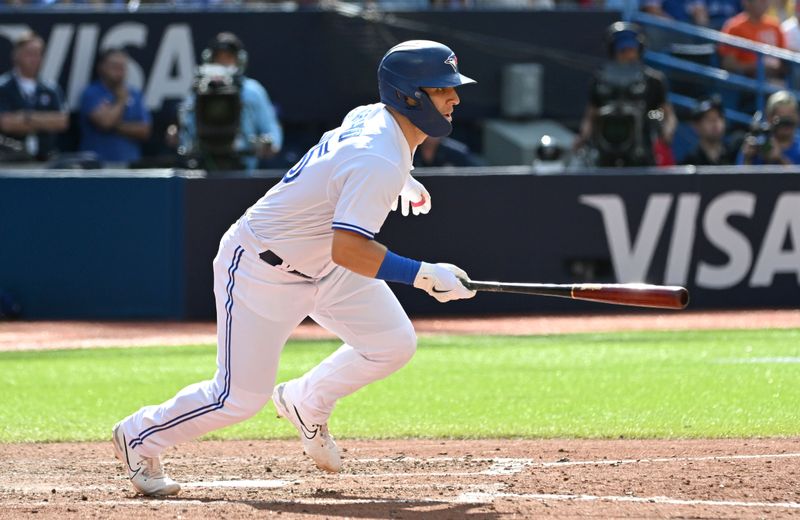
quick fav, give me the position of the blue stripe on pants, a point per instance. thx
(220, 402)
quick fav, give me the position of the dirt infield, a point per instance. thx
(418, 479)
(429, 479)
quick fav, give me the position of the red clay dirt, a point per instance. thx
(38, 335)
(428, 479)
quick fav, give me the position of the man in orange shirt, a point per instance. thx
(753, 24)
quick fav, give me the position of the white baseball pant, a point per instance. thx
(258, 306)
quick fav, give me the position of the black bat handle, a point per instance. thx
(481, 286)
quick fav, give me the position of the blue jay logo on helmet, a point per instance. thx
(409, 67)
(452, 61)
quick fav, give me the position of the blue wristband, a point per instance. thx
(396, 268)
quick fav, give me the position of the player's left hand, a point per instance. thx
(413, 197)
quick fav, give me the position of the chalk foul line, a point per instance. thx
(482, 498)
(669, 459)
(261, 484)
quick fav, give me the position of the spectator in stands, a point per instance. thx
(516, 4)
(753, 24)
(260, 135)
(708, 120)
(719, 11)
(688, 11)
(402, 4)
(781, 9)
(444, 151)
(32, 111)
(113, 118)
(446, 4)
(628, 115)
(774, 140)
(791, 30)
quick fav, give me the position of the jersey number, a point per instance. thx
(320, 149)
(316, 152)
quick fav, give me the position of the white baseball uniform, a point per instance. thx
(348, 181)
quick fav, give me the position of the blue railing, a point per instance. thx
(716, 75)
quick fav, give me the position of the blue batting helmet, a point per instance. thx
(408, 67)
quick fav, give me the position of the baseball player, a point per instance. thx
(307, 248)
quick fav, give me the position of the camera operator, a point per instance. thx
(228, 121)
(773, 139)
(628, 112)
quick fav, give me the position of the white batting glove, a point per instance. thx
(413, 196)
(442, 282)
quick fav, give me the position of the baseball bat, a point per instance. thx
(635, 294)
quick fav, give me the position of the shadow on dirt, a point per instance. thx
(372, 507)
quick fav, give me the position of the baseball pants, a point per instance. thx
(258, 307)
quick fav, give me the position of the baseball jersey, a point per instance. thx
(347, 181)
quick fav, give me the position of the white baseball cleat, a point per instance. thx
(318, 443)
(145, 473)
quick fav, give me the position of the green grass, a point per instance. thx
(645, 385)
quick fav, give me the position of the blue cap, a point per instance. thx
(626, 40)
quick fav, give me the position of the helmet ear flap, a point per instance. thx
(431, 121)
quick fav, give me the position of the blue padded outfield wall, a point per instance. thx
(93, 247)
(138, 247)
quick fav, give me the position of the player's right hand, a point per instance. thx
(442, 282)
(413, 197)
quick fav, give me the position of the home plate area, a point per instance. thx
(752, 478)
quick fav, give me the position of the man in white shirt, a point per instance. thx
(32, 111)
(307, 248)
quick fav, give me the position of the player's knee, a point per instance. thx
(405, 346)
(392, 348)
(241, 405)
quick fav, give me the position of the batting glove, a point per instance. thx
(442, 282)
(413, 196)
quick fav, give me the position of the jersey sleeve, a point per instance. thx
(363, 191)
